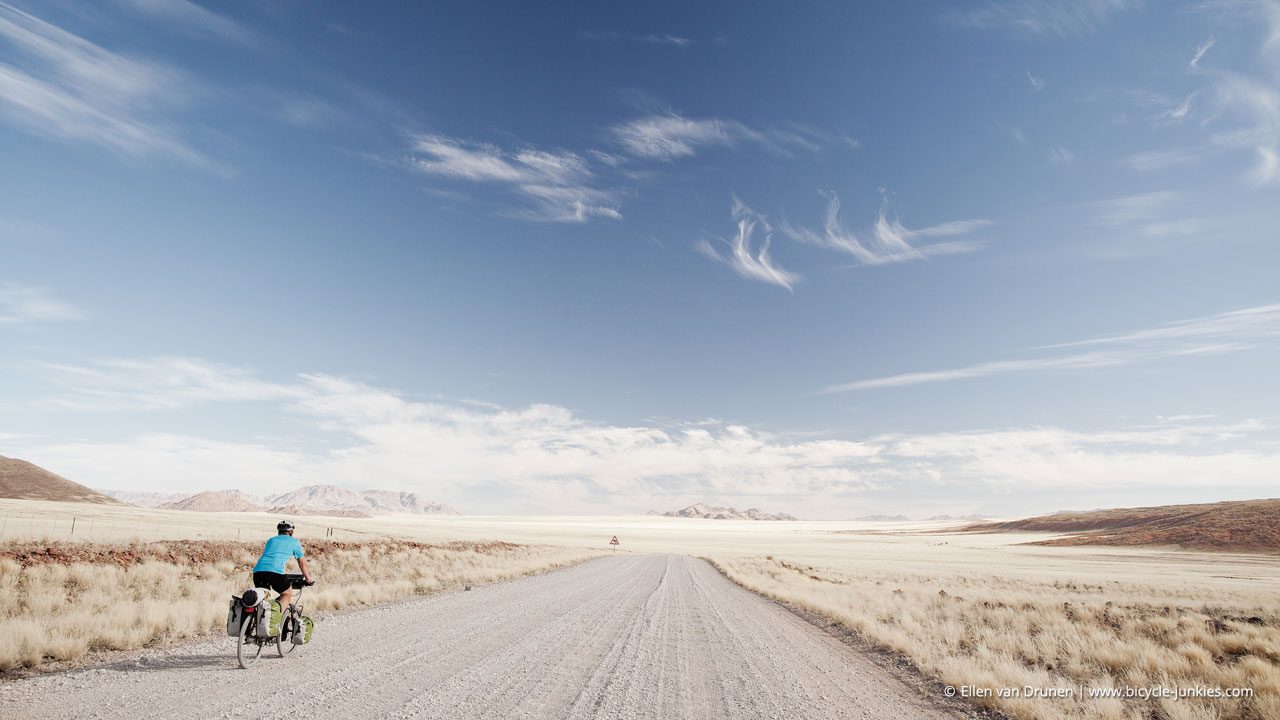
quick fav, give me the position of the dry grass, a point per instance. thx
(992, 632)
(60, 601)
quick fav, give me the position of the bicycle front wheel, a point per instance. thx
(290, 639)
(249, 647)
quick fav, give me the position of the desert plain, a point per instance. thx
(966, 614)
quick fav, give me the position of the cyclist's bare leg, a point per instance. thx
(284, 598)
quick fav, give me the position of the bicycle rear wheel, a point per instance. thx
(249, 647)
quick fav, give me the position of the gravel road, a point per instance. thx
(631, 636)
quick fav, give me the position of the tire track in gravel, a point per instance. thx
(634, 637)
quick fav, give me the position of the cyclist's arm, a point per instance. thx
(302, 565)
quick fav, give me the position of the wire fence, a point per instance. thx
(45, 528)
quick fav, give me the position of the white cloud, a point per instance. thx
(1037, 83)
(555, 185)
(1046, 17)
(60, 85)
(545, 458)
(888, 241)
(1041, 458)
(387, 441)
(1227, 332)
(22, 304)
(746, 259)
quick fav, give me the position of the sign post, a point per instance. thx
(614, 542)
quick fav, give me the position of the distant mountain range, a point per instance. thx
(215, 501)
(713, 512)
(327, 500)
(144, 499)
(882, 518)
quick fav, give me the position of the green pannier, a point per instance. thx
(308, 627)
(274, 614)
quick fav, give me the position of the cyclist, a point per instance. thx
(269, 572)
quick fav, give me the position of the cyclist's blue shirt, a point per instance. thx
(276, 554)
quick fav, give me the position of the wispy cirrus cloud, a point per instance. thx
(1238, 112)
(1227, 332)
(671, 136)
(745, 256)
(57, 84)
(185, 14)
(668, 137)
(1059, 155)
(1062, 18)
(888, 240)
(554, 185)
(609, 36)
(1201, 51)
(1149, 214)
(22, 304)
(561, 185)
(154, 383)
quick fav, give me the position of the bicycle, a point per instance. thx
(250, 645)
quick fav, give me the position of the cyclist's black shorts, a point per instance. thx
(275, 581)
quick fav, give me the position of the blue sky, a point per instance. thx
(1001, 257)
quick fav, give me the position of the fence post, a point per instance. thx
(73, 528)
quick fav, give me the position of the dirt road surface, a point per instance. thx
(629, 637)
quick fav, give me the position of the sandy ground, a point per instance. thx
(630, 636)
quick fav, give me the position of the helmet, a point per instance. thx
(284, 526)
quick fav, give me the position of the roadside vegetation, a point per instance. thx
(59, 601)
(997, 632)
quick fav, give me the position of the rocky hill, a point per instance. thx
(713, 512)
(22, 480)
(1235, 526)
